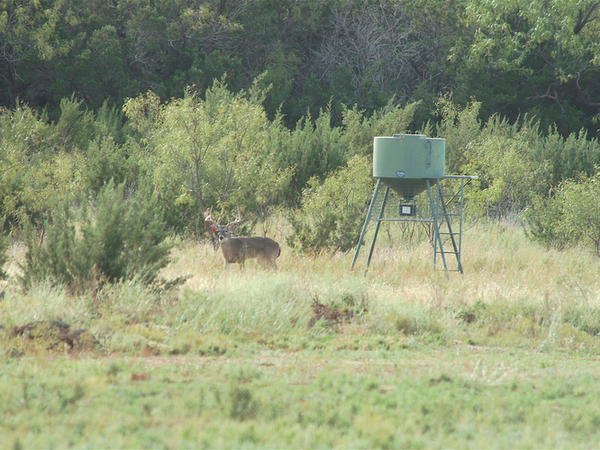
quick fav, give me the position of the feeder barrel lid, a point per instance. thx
(409, 136)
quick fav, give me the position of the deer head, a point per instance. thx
(223, 231)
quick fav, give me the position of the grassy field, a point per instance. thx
(314, 356)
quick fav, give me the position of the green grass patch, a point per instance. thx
(455, 397)
(312, 355)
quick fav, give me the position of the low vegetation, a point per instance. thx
(312, 355)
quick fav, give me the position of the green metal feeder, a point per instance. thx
(409, 165)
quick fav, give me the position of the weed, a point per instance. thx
(243, 404)
(406, 325)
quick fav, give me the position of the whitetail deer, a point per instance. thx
(239, 249)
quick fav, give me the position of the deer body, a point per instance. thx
(239, 249)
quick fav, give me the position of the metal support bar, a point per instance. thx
(460, 221)
(437, 239)
(364, 229)
(385, 196)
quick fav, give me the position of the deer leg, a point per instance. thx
(266, 263)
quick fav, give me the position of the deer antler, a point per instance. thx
(235, 222)
(209, 219)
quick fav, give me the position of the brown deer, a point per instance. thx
(239, 249)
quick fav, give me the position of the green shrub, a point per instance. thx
(571, 215)
(332, 213)
(508, 177)
(314, 149)
(118, 238)
(75, 126)
(570, 156)
(544, 221)
(24, 140)
(106, 160)
(581, 209)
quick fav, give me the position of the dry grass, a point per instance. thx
(500, 265)
(512, 292)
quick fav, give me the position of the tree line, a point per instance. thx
(516, 57)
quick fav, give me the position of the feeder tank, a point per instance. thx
(405, 161)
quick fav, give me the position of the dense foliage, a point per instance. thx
(569, 215)
(516, 56)
(332, 213)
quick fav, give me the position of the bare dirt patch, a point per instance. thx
(333, 315)
(55, 334)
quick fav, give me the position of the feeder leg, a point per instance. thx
(385, 196)
(364, 229)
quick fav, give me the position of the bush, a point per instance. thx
(570, 156)
(508, 177)
(106, 160)
(332, 213)
(208, 153)
(544, 222)
(581, 210)
(570, 216)
(119, 239)
(313, 149)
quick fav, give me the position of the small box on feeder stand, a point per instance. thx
(408, 210)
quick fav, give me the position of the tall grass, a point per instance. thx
(510, 284)
(513, 292)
